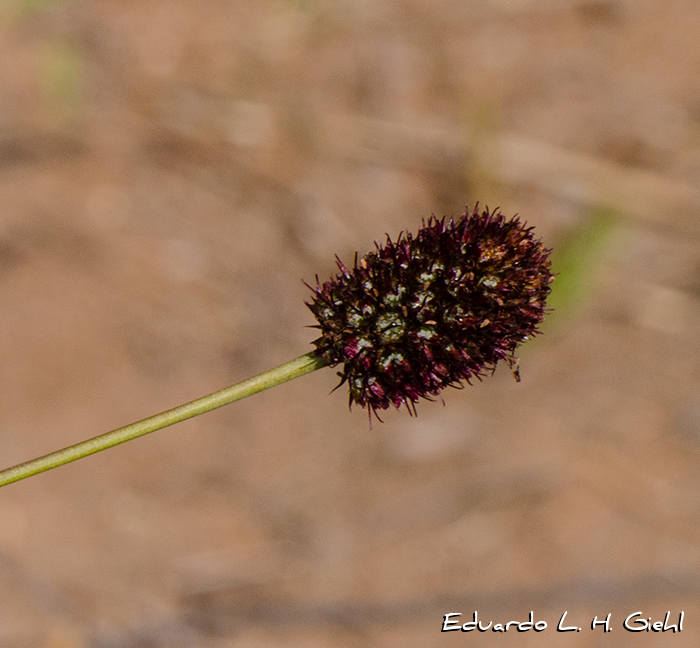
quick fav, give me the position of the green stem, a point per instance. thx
(287, 371)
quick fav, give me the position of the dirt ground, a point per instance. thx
(171, 172)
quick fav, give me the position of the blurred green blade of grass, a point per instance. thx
(61, 69)
(15, 8)
(576, 261)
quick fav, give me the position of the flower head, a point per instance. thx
(430, 311)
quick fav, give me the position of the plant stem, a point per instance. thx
(287, 371)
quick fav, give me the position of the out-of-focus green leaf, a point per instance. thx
(61, 68)
(19, 7)
(577, 259)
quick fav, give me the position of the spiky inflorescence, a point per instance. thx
(427, 312)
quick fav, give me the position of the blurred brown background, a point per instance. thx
(170, 171)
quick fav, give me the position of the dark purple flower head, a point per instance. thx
(427, 312)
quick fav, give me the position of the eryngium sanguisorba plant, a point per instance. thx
(430, 311)
(415, 316)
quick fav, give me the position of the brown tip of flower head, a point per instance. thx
(430, 311)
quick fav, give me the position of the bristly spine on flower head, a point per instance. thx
(427, 312)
